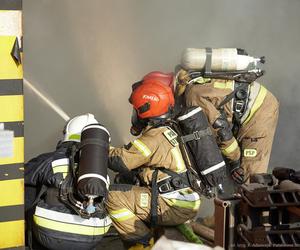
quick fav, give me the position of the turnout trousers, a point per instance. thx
(129, 208)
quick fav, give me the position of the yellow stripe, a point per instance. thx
(223, 85)
(11, 108)
(18, 154)
(140, 146)
(8, 67)
(70, 228)
(194, 205)
(12, 192)
(233, 146)
(201, 80)
(180, 166)
(258, 102)
(12, 234)
(119, 211)
(121, 214)
(61, 169)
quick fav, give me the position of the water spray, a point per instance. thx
(58, 110)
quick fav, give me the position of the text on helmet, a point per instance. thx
(151, 97)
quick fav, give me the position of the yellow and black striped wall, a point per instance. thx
(11, 119)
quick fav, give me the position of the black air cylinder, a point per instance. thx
(92, 173)
(202, 146)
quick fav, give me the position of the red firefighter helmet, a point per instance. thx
(165, 78)
(152, 98)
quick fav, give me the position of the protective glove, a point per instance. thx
(130, 177)
(237, 172)
(182, 80)
(183, 77)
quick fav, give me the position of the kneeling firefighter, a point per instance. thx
(242, 112)
(167, 193)
(66, 189)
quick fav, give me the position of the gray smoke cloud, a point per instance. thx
(86, 55)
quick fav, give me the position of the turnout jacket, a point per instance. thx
(155, 148)
(54, 225)
(211, 92)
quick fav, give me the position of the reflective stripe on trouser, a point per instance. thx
(256, 137)
(130, 211)
(70, 223)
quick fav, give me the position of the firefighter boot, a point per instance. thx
(140, 246)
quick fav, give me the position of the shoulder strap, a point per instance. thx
(227, 99)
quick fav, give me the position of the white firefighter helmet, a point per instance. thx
(73, 128)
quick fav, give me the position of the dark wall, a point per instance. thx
(85, 55)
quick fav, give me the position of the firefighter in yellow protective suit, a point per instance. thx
(244, 124)
(165, 196)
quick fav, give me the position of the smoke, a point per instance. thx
(92, 52)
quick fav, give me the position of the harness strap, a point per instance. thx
(154, 197)
(208, 61)
(186, 182)
(240, 100)
(227, 99)
(197, 135)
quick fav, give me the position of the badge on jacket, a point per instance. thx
(171, 136)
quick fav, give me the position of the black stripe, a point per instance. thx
(11, 171)
(17, 127)
(11, 5)
(11, 87)
(52, 234)
(10, 213)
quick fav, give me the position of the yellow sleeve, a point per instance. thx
(132, 155)
(230, 149)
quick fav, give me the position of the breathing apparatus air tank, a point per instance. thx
(222, 59)
(93, 180)
(202, 146)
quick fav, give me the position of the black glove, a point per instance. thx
(237, 172)
(223, 128)
(129, 177)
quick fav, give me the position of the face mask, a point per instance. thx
(137, 124)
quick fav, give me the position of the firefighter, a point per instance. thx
(166, 196)
(244, 124)
(54, 224)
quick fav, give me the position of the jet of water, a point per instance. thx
(51, 104)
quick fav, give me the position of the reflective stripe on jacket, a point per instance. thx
(70, 223)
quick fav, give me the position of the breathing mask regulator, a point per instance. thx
(91, 175)
(137, 124)
(223, 63)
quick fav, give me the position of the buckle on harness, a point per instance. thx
(197, 135)
(239, 106)
(165, 187)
